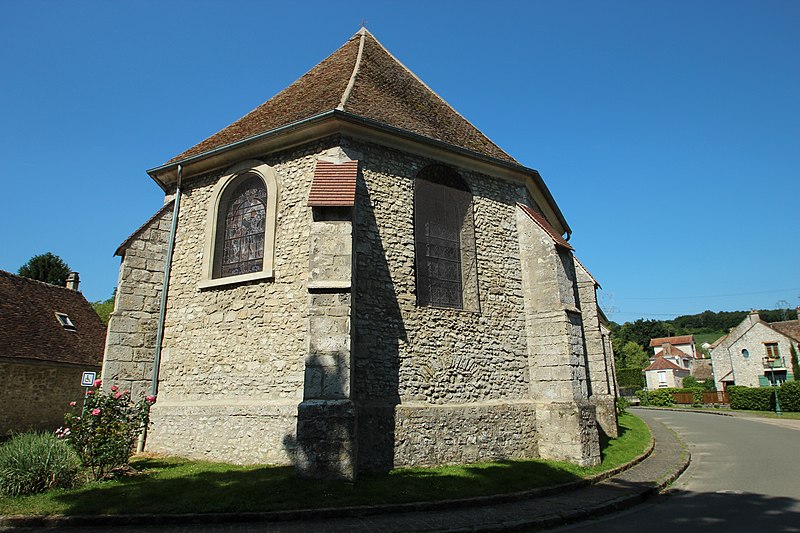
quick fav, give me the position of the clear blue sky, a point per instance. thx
(668, 132)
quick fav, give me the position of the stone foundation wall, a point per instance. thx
(36, 396)
(245, 432)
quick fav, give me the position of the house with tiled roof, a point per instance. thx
(49, 336)
(663, 373)
(756, 353)
(353, 277)
(679, 345)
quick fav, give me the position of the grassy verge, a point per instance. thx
(171, 485)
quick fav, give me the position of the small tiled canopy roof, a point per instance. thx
(671, 350)
(31, 332)
(680, 339)
(661, 363)
(363, 79)
(558, 240)
(334, 185)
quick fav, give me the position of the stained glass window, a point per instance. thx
(442, 232)
(243, 230)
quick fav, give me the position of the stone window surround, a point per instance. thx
(267, 174)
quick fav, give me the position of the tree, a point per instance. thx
(46, 267)
(633, 355)
(103, 308)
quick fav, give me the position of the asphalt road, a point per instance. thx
(744, 477)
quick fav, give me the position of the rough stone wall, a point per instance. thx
(409, 358)
(132, 326)
(36, 396)
(233, 356)
(750, 336)
(603, 394)
(566, 420)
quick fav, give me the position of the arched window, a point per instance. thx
(745, 353)
(242, 238)
(240, 230)
(444, 238)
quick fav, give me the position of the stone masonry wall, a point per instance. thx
(409, 359)
(132, 327)
(233, 356)
(37, 396)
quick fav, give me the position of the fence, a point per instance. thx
(687, 398)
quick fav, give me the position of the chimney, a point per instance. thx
(73, 280)
(753, 316)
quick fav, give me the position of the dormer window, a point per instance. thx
(65, 322)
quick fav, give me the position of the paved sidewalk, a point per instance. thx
(662, 466)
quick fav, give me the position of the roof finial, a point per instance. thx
(364, 23)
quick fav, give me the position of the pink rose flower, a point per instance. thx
(72, 404)
(118, 395)
(98, 382)
(150, 399)
(114, 388)
(89, 392)
(95, 412)
(126, 392)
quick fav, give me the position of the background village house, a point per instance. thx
(360, 279)
(756, 353)
(50, 336)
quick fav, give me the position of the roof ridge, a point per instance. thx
(38, 281)
(356, 68)
(445, 102)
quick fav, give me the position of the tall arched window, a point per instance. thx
(240, 230)
(444, 240)
(242, 238)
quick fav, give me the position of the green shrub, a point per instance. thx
(35, 462)
(622, 406)
(752, 399)
(656, 398)
(105, 430)
(630, 378)
(789, 396)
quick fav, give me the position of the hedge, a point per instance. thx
(657, 398)
(789, 396)
(630, 378)
(752, 399)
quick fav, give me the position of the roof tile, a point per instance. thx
(545, 225)
(333, 184)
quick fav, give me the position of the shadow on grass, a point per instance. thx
(195, 487)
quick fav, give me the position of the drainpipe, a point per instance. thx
(163, 308)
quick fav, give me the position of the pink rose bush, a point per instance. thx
(105, 429)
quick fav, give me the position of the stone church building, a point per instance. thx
(358, 279)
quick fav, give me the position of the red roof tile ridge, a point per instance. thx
(678, 339)
(434, 93)
(542, 222)
(575, 258)
(661, 363)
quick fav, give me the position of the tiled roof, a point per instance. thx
(790, 328)
(671, 350)
(680, 339)
(333, 184)
(361, 78)
(126, 242)
(30, 330)
(545, 225)
(661, 363)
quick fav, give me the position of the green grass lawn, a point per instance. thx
(171, 485)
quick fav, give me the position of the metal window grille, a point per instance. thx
(442, 202)
(243, 231)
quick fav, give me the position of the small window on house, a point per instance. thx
(240, 229)
(745, 353)
(772, 349)
(65, 322)
(444, 236)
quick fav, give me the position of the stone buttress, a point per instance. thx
(567, 426)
